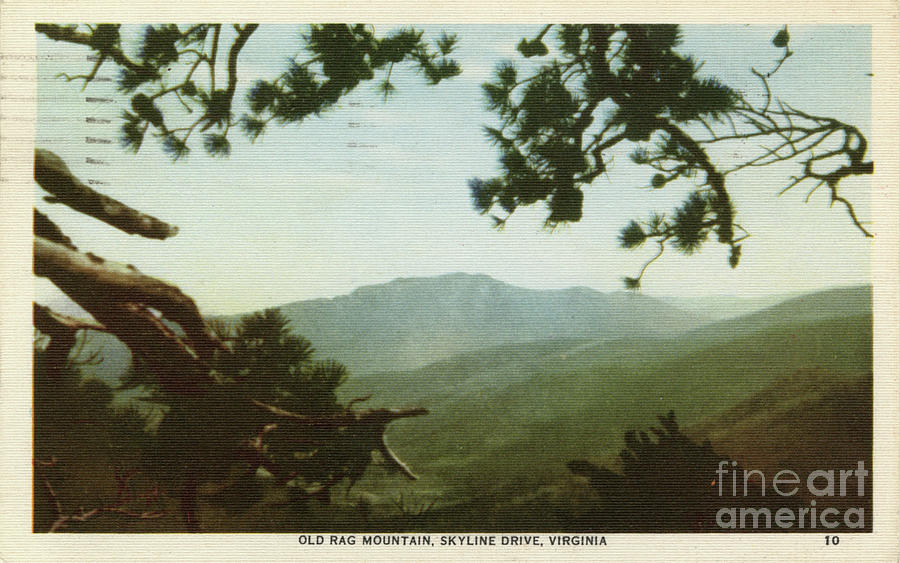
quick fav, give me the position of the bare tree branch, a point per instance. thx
(393, 461)
(372, 423)
(118, 296)
(44, 227)
(363, 399)
(49, 322)
(55, 177)
(86, 77)
(346, 418)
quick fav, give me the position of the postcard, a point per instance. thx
(449, 287)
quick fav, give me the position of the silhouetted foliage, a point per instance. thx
(204, 435)
(338, 58)
(73, 413)
(604, 85)
(598, 86)
(79, 438)
(668, 484)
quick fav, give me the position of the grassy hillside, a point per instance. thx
(810, 419)
(829, 304)
(505, 421)
(721, 307)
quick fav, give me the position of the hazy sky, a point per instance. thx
(303, 214)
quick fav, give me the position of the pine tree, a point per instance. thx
(227, 406)
(598, 87)
(606, 85)
(171, 63)
(227, 399)
(667, 482)
(267, 363)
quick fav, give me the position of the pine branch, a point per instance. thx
(344, 419)
(70, 35)
(44, 227)
(118, 296)
(52, 174)
(86, 77)
(241, 40)
(715, 179)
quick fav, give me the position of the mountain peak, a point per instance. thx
(451, 277)
(410, 322)
(454, 280)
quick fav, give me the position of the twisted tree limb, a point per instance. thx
(133, 307)
(346, 418)
(119, 296)
(372, 423)
(52, 174)
(50, 322)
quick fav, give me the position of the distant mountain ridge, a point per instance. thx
(526, 409)
(719, 307)
(408, 323)
(841, 302)
(412, 322)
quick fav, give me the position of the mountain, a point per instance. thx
(412, 322)
(827, 304)
(517, 413)
(783, 384)
(720, 307)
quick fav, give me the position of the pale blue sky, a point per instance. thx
(301, 214)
